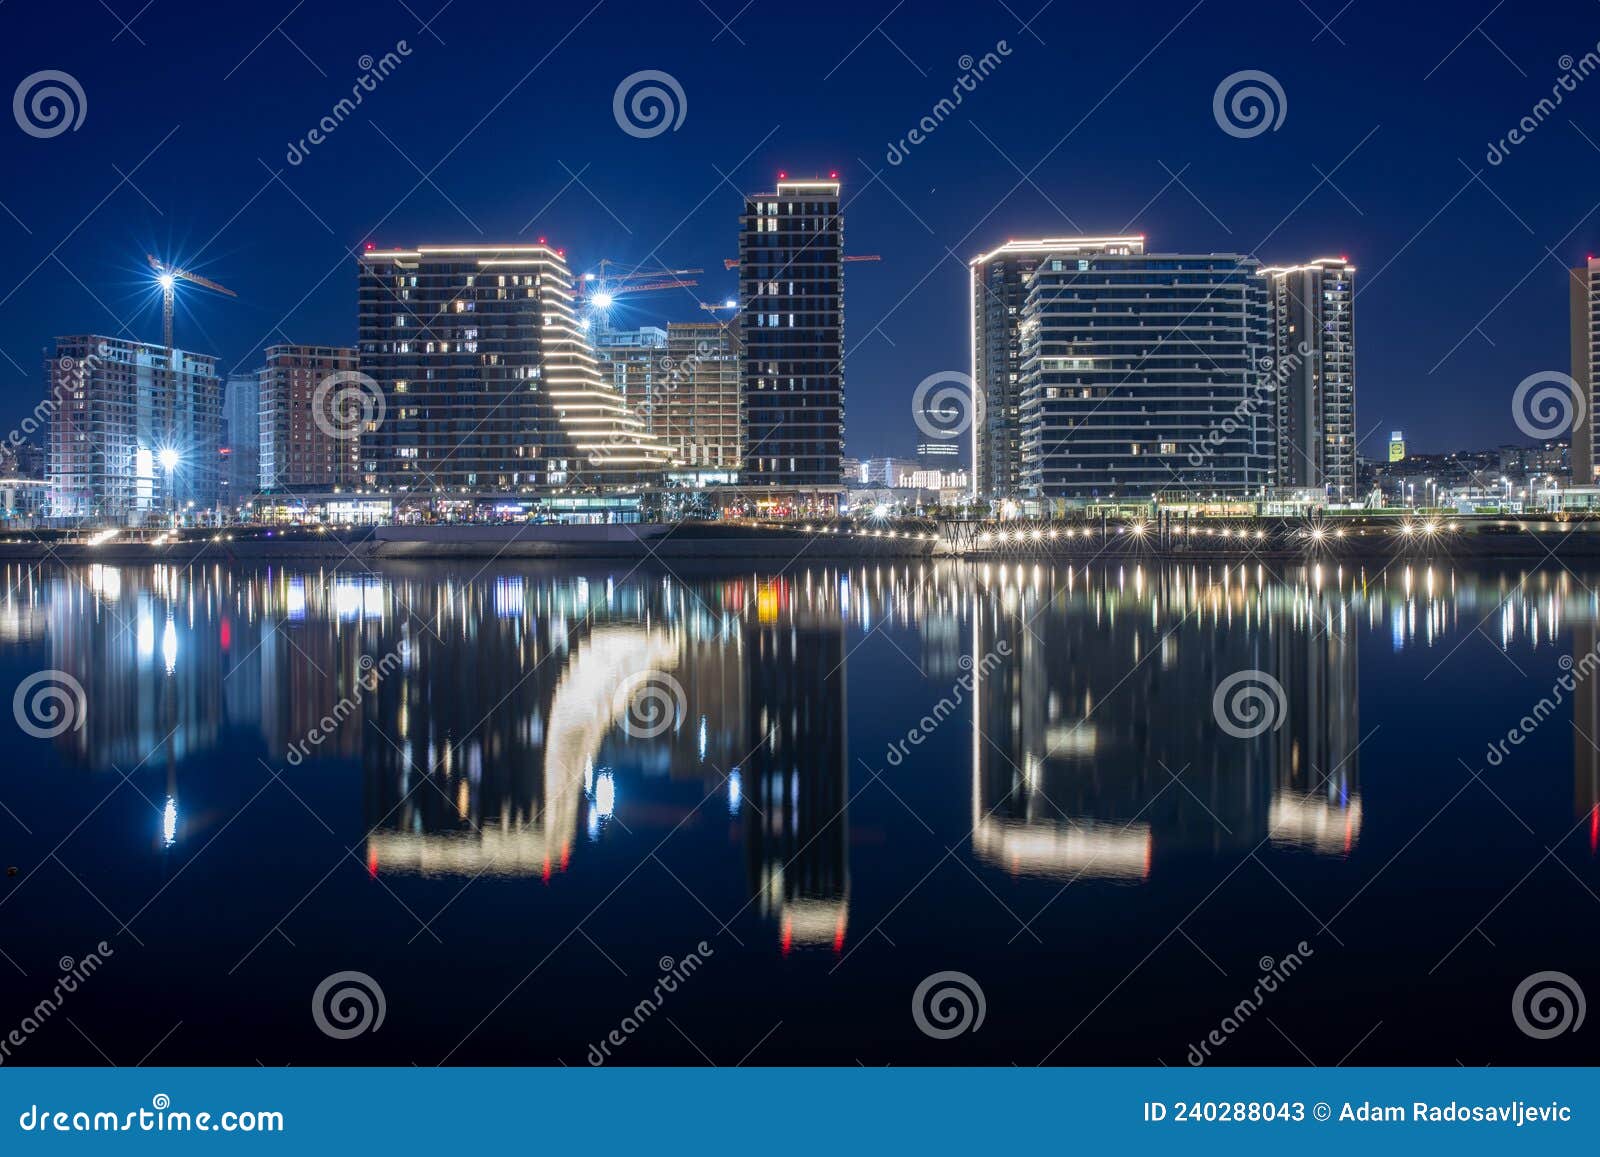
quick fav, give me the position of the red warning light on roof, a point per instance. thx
(369, 246)
(783, 176)
(541, 241)
(833, 176)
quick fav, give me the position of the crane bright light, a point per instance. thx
(169, 459)
(602, 300)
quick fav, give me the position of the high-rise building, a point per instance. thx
(1584, 297)
(999, 289)
(134, 431)
(697, 412)
(631, 360)
(1312, 312)
(306, 443)
(1142, 375)
(489, 386)
(791, 298)
(241, 412)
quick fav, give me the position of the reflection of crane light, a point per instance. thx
(169, 822)
(605, 795)
(735, 791)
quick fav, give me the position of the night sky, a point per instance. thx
(498, 127)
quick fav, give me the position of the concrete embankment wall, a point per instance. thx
(690, 542)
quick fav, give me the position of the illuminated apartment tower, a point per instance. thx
(1312, 310)
(999, 288)
(697, 411)
(490, 388)
(134, 430)
(1584, 291)
(1142, 375)
(303, 447)
(791, 297)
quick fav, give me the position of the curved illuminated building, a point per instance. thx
(490, 387)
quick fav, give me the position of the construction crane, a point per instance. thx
(603, 288)
(168, 277)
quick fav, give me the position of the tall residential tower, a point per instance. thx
(791, 299)
(1584, 297)
(1312, 311)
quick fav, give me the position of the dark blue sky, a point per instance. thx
(1107, 108)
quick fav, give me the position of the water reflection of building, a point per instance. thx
(796, 777)
(1096, 747)
(1586, 724)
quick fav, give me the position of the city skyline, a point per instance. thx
(1324, 183)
